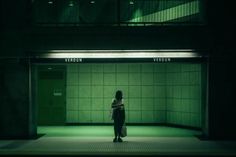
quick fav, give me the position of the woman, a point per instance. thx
(118, 115)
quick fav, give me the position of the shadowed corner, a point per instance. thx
(38, 136)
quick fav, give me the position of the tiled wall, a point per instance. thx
(183, 94)
(153, 92)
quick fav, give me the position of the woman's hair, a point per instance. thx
(118, 95)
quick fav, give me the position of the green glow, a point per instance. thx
(137, 14)
(69, 13)
(107, 131)
(65, 15)
(153, 92)
(179, 11)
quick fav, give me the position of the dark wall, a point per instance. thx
(16, 112)
(170, 37)
(221, 70)
(214, 39)
(14, 98)
(14, 26)
(221, 98)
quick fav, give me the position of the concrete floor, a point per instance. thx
(61, 141)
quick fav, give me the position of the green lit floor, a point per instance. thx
(107, 131)
(97, 140)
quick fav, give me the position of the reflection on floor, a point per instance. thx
(107, 131)
(97, 140)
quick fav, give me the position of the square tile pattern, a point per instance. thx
(153, 92)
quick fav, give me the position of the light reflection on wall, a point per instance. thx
(176, 12)
(112, 12)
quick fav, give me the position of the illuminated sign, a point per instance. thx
(161, 59)
(73, 60)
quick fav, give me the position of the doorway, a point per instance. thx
(50, 94)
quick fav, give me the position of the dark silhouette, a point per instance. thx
(118, 115)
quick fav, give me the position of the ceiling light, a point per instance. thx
(131, 2)
(121, 54)
(71, 4)
(92, 2)
(50, 2)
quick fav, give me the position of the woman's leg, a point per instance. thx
(116, 125)
(121, 122)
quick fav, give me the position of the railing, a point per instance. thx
(117, 12)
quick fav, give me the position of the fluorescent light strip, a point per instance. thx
(120, 54)
(120, 51)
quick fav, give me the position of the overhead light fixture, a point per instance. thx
(131, 2)
(50, 2)
(120, 54)
(92, 2)
(71, 4)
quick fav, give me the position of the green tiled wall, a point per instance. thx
(153, 92)
(183, 94)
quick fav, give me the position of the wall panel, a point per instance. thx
(153, 92)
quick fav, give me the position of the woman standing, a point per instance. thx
(118, 115)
